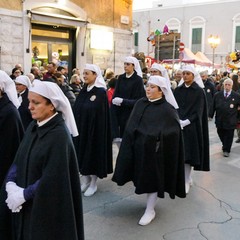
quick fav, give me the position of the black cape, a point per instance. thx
(210, 90)
(11, 134)
(25, 113)
(46, 153)
(193, 106)
(93, 145)
(131, 90)
(151, 153)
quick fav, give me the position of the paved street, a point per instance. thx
(210, 211)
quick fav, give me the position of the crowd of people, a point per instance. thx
(57, 131)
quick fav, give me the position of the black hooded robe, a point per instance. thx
(93, 145)
(151, 152)
(131, 90)
(11, 134)
(25, 113)
(193, 106)
(47, 154)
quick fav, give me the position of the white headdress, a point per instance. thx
(24, 80)
(134, 61)
(8, 86)
(167, 91)
(197, 77)
(53, 92)
(162, 69)
(99, 82)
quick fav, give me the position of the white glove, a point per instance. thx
(117, 101)
(15, 197)
(11, 187)
(184, 123)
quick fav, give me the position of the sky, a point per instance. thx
(141, 4)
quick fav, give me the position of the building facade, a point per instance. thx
(196, 23)
(70, 32)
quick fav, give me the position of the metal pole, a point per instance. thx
(148, 47)
(173, 56)
(114, 56)
(213, 57)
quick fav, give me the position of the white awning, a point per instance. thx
(55, 19)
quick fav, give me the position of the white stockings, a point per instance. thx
(89, 185)
(188, 178)
(149, 214)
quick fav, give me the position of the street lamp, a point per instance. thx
(214, 42)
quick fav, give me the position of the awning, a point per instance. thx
(189, 57)
(204, 58)
(55, 19)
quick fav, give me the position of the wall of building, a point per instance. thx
(11, 4)
(11, 39)
(218, 21)
(15, 26)
(107, 12)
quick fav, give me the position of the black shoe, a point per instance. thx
(238, 140)
(226, 154)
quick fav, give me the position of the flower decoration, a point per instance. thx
(235, 56)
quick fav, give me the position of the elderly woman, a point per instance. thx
(43, 189)
(11, 129)
(151, 153)
(76, 84)
(192, 111)
(93, 145)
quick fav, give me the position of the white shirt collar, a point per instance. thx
(22, 92)
(89, 88)
(46, 120)
(128, 76)
(154, 100)
(228, 93)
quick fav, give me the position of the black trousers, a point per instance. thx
(226, 137)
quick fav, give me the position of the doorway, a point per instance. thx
(53, 44)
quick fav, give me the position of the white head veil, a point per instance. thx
(197, 77)
(99, 82)
(53, 92)
(134, 61)
(24, 80)
(162, 69)
(167, 91)
(9, 87)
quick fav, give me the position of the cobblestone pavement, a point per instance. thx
(210, 211)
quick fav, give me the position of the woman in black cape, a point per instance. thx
(151, 153)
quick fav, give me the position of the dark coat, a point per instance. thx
(151, 152)
(46, 154)
(93, 145)
(193, 106)
(67, 90)
(11, 134)
(130, 89)
(76, 88)
(226, 110)
(25, 113)
(210, 90)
